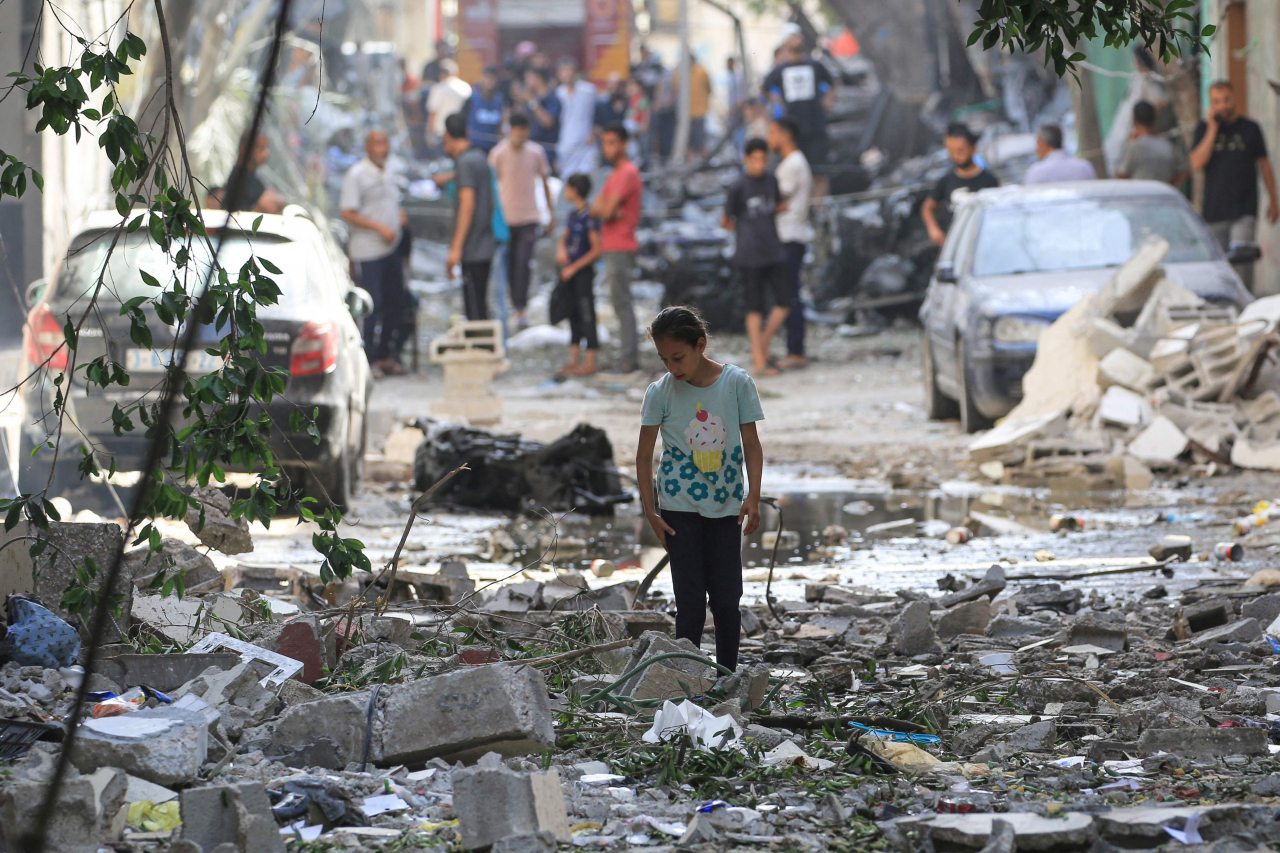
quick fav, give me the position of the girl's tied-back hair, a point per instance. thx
(680, 323)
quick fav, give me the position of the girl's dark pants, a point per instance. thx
(706, 565)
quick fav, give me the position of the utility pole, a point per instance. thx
(681, 143)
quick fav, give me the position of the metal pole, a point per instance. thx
(681, 143)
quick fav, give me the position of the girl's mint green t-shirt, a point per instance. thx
(703, 468)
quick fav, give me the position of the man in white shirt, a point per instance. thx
(576, 150)
(370, 204)
(520, 167)
(447, 97)
(795, 183)
(1055, 164)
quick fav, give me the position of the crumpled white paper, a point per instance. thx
(789, 754)
(705, 729)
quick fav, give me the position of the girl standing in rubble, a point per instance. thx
(708, 480)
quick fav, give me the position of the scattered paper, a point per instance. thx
(383, 803)
(1126, 767)
(1073, 761)
(307, 833)
(706, 729)
(600, 778)
(788, 753)
(667, 827)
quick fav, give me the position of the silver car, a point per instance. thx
(1017, 257)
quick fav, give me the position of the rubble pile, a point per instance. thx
(1001, 711)
(1143, 376)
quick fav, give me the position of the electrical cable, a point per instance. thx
(773, 557)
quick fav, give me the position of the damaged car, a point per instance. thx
(1018, 257)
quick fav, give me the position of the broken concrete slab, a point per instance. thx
(533, 842)
(1204, 743)
(1139, 827)
(1036, 737)
(1032, 831)
(82, 815)
(299, 741)
(912, 631)
(1126, 370)
(1093, 630)
(1241, 631)
(239, 815)
(1160, 443)
(651, 644)
(163, 672)
(210, 520)
(971, 617)
(1016, 432)
(1264, 608)
(163, 745)
(494, 802)
(462, 715)
(991, 585)
(1123, 407)
(198, 572)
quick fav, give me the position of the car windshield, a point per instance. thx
(298, 282)
(1084, 234)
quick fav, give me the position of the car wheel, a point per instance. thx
(971, 420)
(339, 486)
(939, 406)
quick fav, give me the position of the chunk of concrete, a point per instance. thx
(210, 520)
(199, 574)
(328, 733)
(1123, 368)
(971, 617)
(1241, 631)
(1128, 289)
(1106, 335)
(239, 815)
(1036, 737)
(653, 643)
(991, 585)
(1264, 608)
(494, 802)
(163, 745)
(1204, 743)
(1033, 832)
(165, 673)
(1015, 432)
(1005, 627)
(462, 715)
(81, 816)
(1160, 442)
(1093, 631)
(912, 631)
(1124, 408)
(533, 842)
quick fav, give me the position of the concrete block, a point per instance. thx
(991, 585)
(1013, 433)
(199, 574)
(1106, 335)
(1264, 608)
(218, 530)
(493, 802)
(166, 673)
(329, 732)
(912, 632)
(1169, 354)
(1124, 407)
(239, 815)
(81, 816)
(163, 745)
(1245, 453)
(1128, 289)
(968, 618)
(1036, 737)
(1242, 631)
(1204, 743)
(462, 715)
(534, 842)
(1123, 368)
(1093, 631)
(652, 644)
(660, 681)
(1161, 442)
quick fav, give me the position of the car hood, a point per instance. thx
(1050, 294)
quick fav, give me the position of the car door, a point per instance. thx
(943, 298)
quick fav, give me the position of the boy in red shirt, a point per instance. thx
(618, 207)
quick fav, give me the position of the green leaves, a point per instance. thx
(1057, 27)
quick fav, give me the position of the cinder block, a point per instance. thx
(494, 802)
(231, 814)
(462, 715)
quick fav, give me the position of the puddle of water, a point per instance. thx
(627, 538)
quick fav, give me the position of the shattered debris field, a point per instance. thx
(943, 648)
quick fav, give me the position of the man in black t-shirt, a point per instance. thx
(1231, 151)
(802, 90)
(255, 195)
(965, 174)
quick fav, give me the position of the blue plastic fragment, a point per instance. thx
(901, 737)
(1275, 644)
(708, 808)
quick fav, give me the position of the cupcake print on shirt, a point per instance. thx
(707, 439)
